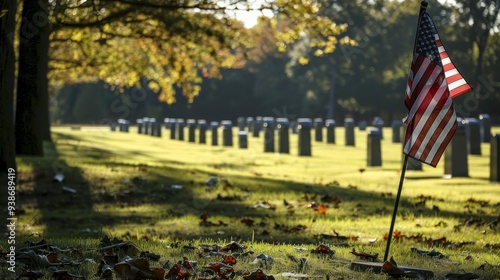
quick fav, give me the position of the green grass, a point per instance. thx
(100, 165)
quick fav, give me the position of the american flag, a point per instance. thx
(433, 81)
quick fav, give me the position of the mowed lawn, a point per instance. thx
(153, 191)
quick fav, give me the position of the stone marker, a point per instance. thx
(455, 155)
(330, 131)
(494, 158)
(257, 126)
(268, 128)
(112, 126)
(396, 130)
(283, 135)
(362, 125)
(123, 125)
(250, 124)
(146, 124)
(173, 128)
(374, 152)
(179, 129)
(140, 126)
(152, 126)
(485, 123)
(242, 123)
(202, 131)
(318, 129)
(214, 126)
(293, 126)
(166, 122)
(378, 122)
(349, 132)
(191, 130)
(304, 130)
(227, 133)
(243, 139)
(473, 132)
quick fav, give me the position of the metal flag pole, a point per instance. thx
(423, 7)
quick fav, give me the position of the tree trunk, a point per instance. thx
(32, 77)
(7, 75)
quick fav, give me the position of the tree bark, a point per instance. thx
(7, 75)
(32, 78)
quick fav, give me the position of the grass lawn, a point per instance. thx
(152, 192)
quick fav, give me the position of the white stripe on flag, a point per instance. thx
(456, 84)
(451, 72)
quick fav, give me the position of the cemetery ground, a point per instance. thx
(153, 196)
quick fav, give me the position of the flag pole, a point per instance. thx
(423, 7)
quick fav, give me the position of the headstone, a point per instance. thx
(202, 131)
(243, 139)
(179, 129)
(455, 155)
(214, 126)
(378, 122)
(166, 122)
(293, 126)
(123, 125)
(158, 129)
(112, 126)
(473, 132)
(494, 158)
(227, 133)
(283, 135)
(268, 128)
(362, 125)
(318, 129)
(396, 131)
(349, 132)
(374, 151)
(485, 122)
(242, 123)
(140, 126)
(330, 131)
(191, 130)
(152, 126)
(304, 130)
(257, 127)
(250, 124)
(147, 127)
(173, 128)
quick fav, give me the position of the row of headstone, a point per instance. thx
(149, 126)
(122, 125)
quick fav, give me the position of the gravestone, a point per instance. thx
(152, 126)
(349, 132)
(140, 126)
(378, 123)
(304, 126)
(242, 123)
(202, 131)
(485, 123)
(318, 129)
(112, 126)
(268, 128)
(243, 139)
(293, 126)
(146, 124)
(166, 122)
(283, 135)
(362, 125)
(396, 130)
(455, 155)
(173, 128)
(191, 130)
(473, 132)
(330, 131)
(494, 158)
(227, 133)
(123, 125)
(257, 127)
(250, 124)
(214, 126)
(179, 129)
(374, 152)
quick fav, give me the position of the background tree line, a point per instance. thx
(368, 78)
